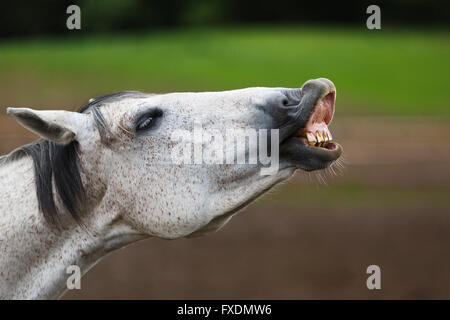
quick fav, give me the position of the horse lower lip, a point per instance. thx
(297, 152)
(324, 154)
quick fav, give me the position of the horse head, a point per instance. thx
(164, 164)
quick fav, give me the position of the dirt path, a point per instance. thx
(279, 253)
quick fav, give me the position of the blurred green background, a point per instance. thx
(390, 206)
(383, 72)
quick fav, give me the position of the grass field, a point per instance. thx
(383, 72)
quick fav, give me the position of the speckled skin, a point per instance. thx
(134, 189)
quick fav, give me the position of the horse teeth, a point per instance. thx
(319, 138)
(311, 138)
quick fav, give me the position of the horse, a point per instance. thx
(103, 177)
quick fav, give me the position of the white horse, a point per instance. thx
(104, 177)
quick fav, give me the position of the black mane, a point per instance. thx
(57, 164)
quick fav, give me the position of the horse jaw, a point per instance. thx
(239, 197)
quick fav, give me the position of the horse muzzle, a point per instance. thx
(305, 139)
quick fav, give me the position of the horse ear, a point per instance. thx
(56, 125)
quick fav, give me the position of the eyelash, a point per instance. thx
(147, 121)
(145, 124)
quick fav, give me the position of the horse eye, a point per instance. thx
(145, 124)
(148, 119)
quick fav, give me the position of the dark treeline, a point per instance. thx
(48, 17)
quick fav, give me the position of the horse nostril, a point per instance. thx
(290, 97)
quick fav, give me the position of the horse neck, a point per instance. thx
(35, 255)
